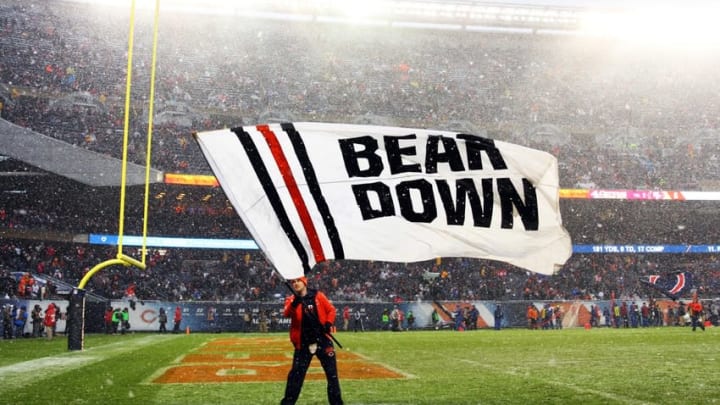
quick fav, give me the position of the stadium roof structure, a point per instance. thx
(61, 158)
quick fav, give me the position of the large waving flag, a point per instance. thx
(672, 285)
(310, 192)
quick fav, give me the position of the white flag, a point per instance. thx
(310, 192)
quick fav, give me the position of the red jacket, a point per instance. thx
(50, 315)
(108, 315)
(326, 312)
(695, 308)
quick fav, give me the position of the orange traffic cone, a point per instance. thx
(187, 330)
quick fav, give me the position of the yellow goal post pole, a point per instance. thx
(121, 259)
(76, 319)
(126, 128)
(153, 64)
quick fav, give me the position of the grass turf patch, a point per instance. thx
(598, 366)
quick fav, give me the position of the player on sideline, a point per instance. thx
(312, 316)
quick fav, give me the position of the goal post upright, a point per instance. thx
(76, 311)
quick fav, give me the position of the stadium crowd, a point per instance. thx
(635, 122)
(622, 123)
(208, 275)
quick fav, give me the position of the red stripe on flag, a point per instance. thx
(679, 284)
(291, 184)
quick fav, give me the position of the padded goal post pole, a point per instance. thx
(76, 312)
(76, 320)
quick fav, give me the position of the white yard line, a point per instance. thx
(573, 387)
(23, 373)
(379, 363)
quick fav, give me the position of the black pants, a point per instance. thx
(696, 322)
(301, 361)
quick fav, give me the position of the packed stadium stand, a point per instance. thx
(615, 117)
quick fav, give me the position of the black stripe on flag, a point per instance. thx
(314, 187)
(271, 192)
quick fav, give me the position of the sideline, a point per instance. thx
(23, 373)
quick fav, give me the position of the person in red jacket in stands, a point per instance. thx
(312, 316)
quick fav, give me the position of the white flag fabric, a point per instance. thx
(310, 192)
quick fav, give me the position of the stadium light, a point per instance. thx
(352, 21)
(420, 25)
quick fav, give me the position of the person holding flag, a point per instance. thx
(311, 192)
(695, 309)
(312, 316)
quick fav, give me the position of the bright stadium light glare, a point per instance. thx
(658, 26)
(360, 9)
(352, 21)
(432, 26)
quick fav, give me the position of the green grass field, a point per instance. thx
(599, 366)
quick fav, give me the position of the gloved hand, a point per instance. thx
(296, 301)
(328, 327)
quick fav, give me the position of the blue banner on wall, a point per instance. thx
(642, 249)
(249, 244)
(168, 242)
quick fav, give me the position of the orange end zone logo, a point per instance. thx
(260, 360)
